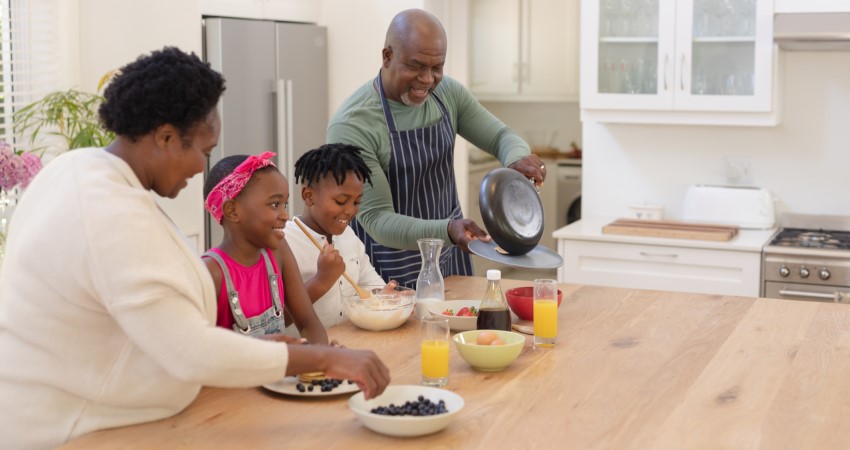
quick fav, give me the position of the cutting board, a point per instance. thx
(671, 229)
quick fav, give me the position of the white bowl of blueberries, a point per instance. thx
(407, 410)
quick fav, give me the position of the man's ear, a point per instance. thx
(308, 195)
(386, 56)
(230, 211)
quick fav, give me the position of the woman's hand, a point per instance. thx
(363, 367)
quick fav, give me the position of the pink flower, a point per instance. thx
(32, 165)
(17, 169)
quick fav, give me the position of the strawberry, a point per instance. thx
(448, 312)
(464, 312)
(473, 311)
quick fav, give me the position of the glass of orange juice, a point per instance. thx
(545, 312)
(435, 350)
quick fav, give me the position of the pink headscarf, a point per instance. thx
(231, 185)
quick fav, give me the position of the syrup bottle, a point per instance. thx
(493, 313)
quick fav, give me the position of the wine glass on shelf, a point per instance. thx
(624, 24)
(730, 17)
(609, 17)
(747, 19)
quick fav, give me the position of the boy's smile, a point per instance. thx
(331, 207)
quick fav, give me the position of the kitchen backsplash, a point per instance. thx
(803, 162)
(540, 123)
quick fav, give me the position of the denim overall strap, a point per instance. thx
(266, 323)
(422, 182)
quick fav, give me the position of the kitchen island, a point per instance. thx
(632, 369)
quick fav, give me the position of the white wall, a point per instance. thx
(805, 161)
(113, 33)
(106, 34)
(356, 31)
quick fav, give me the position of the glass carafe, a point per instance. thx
(429, 286)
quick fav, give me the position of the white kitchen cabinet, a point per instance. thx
(306, 11)
(661, 268)
(709, 267)
(524, 50)
(686, 61)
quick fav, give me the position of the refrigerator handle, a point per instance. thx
(284, 134)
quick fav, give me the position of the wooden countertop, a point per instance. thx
(632, 369)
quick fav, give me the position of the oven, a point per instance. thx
(808, 260)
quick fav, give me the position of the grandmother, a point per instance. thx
(107, 314)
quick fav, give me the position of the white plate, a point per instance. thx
(287, 386)
(456, 323)
(405, 425)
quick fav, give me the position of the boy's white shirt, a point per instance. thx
(329, 307)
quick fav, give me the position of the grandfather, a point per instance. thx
(406, 120)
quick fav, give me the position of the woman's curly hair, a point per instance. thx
(166, 87)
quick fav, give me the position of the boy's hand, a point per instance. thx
(330, 263)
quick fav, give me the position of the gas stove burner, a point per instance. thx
(826, 239)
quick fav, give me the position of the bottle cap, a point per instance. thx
(494, 274)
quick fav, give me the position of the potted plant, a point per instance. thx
(70, 115)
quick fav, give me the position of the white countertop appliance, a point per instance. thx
(744, 206)
(808, 259)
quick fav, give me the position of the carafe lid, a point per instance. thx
(494, 275)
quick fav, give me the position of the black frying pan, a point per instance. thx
(511, 210)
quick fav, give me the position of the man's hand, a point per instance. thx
(532, 167)
(462, 231)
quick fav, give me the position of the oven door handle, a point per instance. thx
(835, 296)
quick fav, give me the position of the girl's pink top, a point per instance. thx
(252, 284)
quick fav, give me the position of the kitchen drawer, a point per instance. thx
(666, 268)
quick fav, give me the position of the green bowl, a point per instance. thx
(489, 358)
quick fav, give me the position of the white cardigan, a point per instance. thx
(107, 316)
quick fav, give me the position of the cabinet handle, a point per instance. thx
(682, 73)
(284, 130)
(659, 255)
(666, 66)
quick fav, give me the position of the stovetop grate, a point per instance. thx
(809, 238)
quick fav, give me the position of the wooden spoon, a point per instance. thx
(363, 293)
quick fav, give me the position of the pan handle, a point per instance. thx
(536, 187)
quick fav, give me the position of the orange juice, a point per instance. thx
(545, 318)
(435, 359)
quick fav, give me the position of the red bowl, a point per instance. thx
(521, 301)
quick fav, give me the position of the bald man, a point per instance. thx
(406, 120)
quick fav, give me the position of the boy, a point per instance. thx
(332, 178)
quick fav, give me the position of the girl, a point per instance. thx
(247, 195)
(332, 178)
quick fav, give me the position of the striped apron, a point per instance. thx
(422, 182)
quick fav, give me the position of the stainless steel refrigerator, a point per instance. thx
(276, 97)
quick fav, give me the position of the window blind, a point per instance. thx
(28, 56)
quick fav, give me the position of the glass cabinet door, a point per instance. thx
(689, 55)
(727, 60)
(633, 45)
